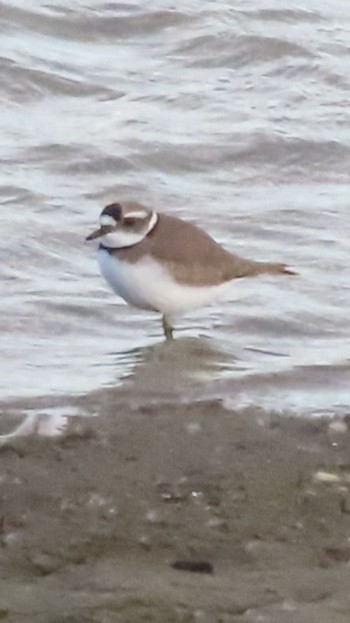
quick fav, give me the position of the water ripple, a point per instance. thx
(236, 118)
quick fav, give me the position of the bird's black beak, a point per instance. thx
(95, 234)
(104, 229)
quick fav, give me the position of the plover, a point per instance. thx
(161, 263)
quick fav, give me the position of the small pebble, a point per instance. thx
(329, 477)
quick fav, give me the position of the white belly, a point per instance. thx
(148, 285)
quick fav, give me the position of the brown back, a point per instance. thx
(191, 255)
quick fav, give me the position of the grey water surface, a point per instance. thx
(234, 116)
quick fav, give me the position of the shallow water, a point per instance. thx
(234, 118)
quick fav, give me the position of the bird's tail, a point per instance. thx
(270, 268)
(240, 267)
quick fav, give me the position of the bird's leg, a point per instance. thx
(167, 328)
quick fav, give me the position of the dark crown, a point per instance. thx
(114, 210)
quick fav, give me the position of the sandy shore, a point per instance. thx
(93, 522)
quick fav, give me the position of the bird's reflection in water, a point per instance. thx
(173, 367)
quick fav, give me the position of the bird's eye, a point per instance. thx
(129, 222)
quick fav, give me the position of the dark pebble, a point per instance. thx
(195, 566)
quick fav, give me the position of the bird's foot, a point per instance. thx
(167, 328)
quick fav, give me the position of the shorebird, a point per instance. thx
(161, 263)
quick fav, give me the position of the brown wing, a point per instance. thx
(191, 255)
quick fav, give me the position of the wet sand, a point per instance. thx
(93, 522)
